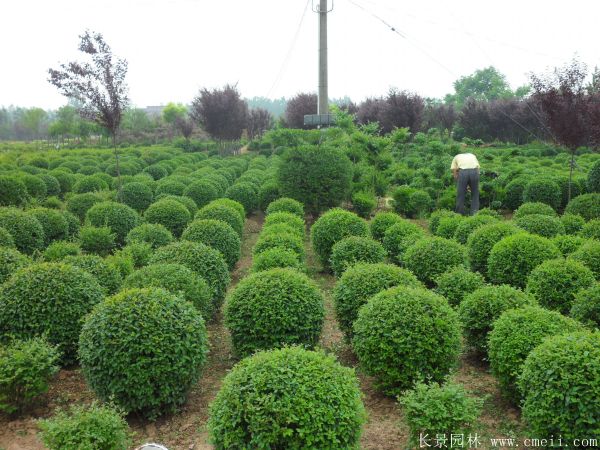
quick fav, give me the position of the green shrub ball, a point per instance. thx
(361, 282)
(173, 215)
(6, 239)
(471, 224)
(245, 194)
(286, 204)
(540, 224)
(60, 249)
(48, 299)
(202, 192)
(79, 204)
(543, 190)
(13, 191)
(274, 308)
(285, 218)
(555, 282)
(483, 239)
(406, 334)
(457, 282)
(120, 218)
(354, 249)
(430, 257)
(568, 244)
(559, 383)
(107, 276)
(25, 229)
(231, 203)
(534, 208)
(98, 240)
(513, 258)
(155, 234)
(276, 257)
(515, 334)
(11, 260)
(137, 196)
(381, 222)
(586, 205)
(333, 226)
(288, 241)
(591, 230)
(53, 222)
(143, 349)
(481, 308)
(586, 307)
(288, 398)
(399, 237)
(448, 226)
(218, 235)
(589, 255)
(573, 223)
(224, 212)
(437, 216)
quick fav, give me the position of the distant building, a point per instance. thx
(154, 111)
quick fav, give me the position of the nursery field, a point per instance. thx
(316, 291)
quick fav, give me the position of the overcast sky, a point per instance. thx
(175, 47)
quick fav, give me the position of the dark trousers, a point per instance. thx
(467, 177)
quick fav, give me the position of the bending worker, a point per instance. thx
(465, 169)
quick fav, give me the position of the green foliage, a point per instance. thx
(589, 255)
(53, 223)
(420, 204)
(267, 194)
(333, 226)
(515, 333)
(447, 226)
(513, 258)
(399, 237)
(543, 190)
(107, 276)
(593, 180)
(6, 239)
(540, 224)
(25, 229)
(276, 257)
(286, 204)
(59, 249)
(273, 308)
(469, 225)
(354, 249)
(591, 229)
(361, 282)
(317, 176)
(381, 222)
(285, 218)
(439, 409)
(480, 309)
(218, 235)
(560, 383)
(225, 213)
(120, 218)
(202, 192)
(586, 205)
(401, 197)
(534, 208)
(573, 223)
(26, 368)
(98, 240)
(244, 193)
(143, 349)
(288, 398)
(48, 299)
(568, 244)
(458, 282)
(155, 234)
(430, 257)
(287, 241)
(483, 84)
(137, 196)
(35, 188)
(202, 260)
(483, 239)
(91, 427)
(170, 213)
(89, 184)
(363, 203)
(232, 204)
(427, 348)
(13, 191)
(437, 216)
(11, 260)
(586, 307)
(79, 204)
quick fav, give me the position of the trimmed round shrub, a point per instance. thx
(427, 347)
(156, 172)
(98, 240)
(540, 224)
(245, 194)
(591, 229)
(53, 223)
(143, 349)
(178, 280)
(430, 257)
(202, 260)
(333, 226)
(137, 196)
(513, 258)
(514, 334)
(586, 205)
(201, 192)
(225, 213)
(534, 208)
(140, 253)
(568, 244)
(185, 201)
(107, 276)
(470, 224)
(354, 249)
(286, 204)
(48, 299)
(218, 235)
(278, 228)
(483, 239)
(274, 308)
(121, 261)
(52, 184)
(382, 222)
(73, 223)
(489, 212)
(35, 187)
(448, 225)
(437, 216)
(399, 237)
(288, 398)
(25, 229)
(120, 218)
(319, 177)
(586, 307)
(559, 385)
(169, 213)
(60, 249)
(458, 282)
(13, 191)
(589, 255)
(514, 193)
(287, 241)
(573, 223)
(543, 190)
(363, 203)
(274, 258)
(169, 187)
(361, 282)
(268, 192)
(52, 203)
(480, 309)
(11, 260)
(155, 234)
(285, 218)
(6, 239)
(79, 204)
(555, 282)
(90, 183)
(232, 204)
(420, 204)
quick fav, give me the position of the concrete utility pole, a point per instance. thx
(323, 107)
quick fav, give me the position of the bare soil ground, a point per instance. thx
(384, 430)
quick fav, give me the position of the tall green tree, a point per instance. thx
(484, 84)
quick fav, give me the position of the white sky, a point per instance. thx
(175, 47)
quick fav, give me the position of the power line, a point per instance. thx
(286, 60)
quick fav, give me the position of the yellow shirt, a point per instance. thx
(465, 161)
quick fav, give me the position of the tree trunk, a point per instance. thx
(119, 184)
